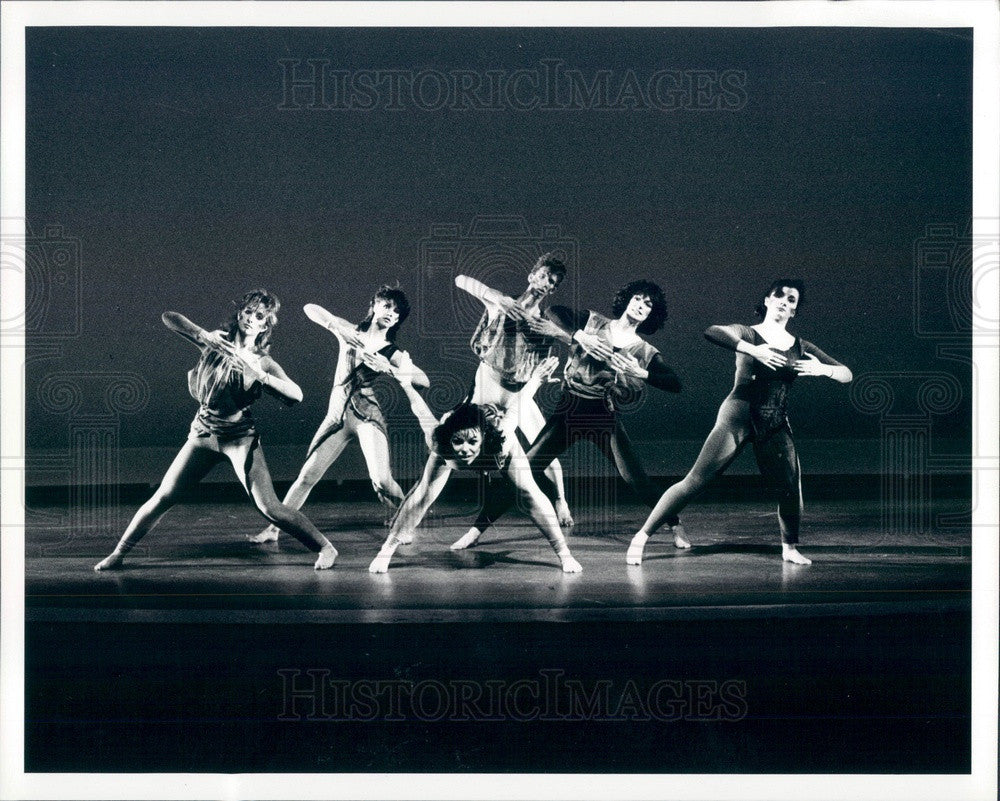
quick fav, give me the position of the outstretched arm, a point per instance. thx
(740, 338)
(816, 363)
(420, 498)
(338, 326)
(428, 422)
(277, 383)
(490, 296)
(180, 324)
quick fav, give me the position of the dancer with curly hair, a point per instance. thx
(609, 364)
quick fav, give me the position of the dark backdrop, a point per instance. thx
(165, 157)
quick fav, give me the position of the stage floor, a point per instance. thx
(198, 565)
(207, 653)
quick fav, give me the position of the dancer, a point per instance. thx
(473, 437)
(509, 350)
(609, 363)
(768, 358)
(233, 370)
(367, 350)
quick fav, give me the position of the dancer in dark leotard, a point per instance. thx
(233, 370)
(768, 359)
(609, 363)
(478, 438)
(367, 350)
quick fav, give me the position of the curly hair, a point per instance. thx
(396, 296)
(791, 283)
(657, 315)
(462, 417)
(251, 301)
(555, 265)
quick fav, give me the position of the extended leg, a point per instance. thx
(779, 464)
(317, 463)
(190, 466)
(251, 468)
(375, 448)
(551, 442)
(531, 423)
(721, 447)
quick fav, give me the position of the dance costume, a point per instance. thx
(756, 410)
(592, 394)
(356, 395)
(510, 347)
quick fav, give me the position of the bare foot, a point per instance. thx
(467, 540)
(635, 548)
(563, 513)
(570, 565)
(789, 553)
(380, 564)
(111, 562)
(326, 557)
(680, 536)
(269, 534)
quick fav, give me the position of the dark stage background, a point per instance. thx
(166, 161)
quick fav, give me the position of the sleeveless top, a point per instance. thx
(766, 390)
(591, 378)
(359, 383)
(510, 347)
(224, 398)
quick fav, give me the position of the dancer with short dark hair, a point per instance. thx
(509, 350)
(367, 350)
(609, 364)
(478, 438)
(768, 359)
(233, 370)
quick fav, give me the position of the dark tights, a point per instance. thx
(776, 459)
(574, 419)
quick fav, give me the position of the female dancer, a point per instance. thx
(509, 350)
(472, 437)
(233, 370)
(366, 350)
(609, 363)
(768, 358)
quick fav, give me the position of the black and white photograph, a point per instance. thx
(500, 400)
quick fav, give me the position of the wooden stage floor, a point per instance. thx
(209, 654)
(197, 565)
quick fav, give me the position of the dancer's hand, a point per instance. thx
(215, 341)
(767, 356)
(250, 364)
(509, 307)
(628, 365)
(544, 369)
(544, 327)
(594, 345)
(810, 365)
(376, 361)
